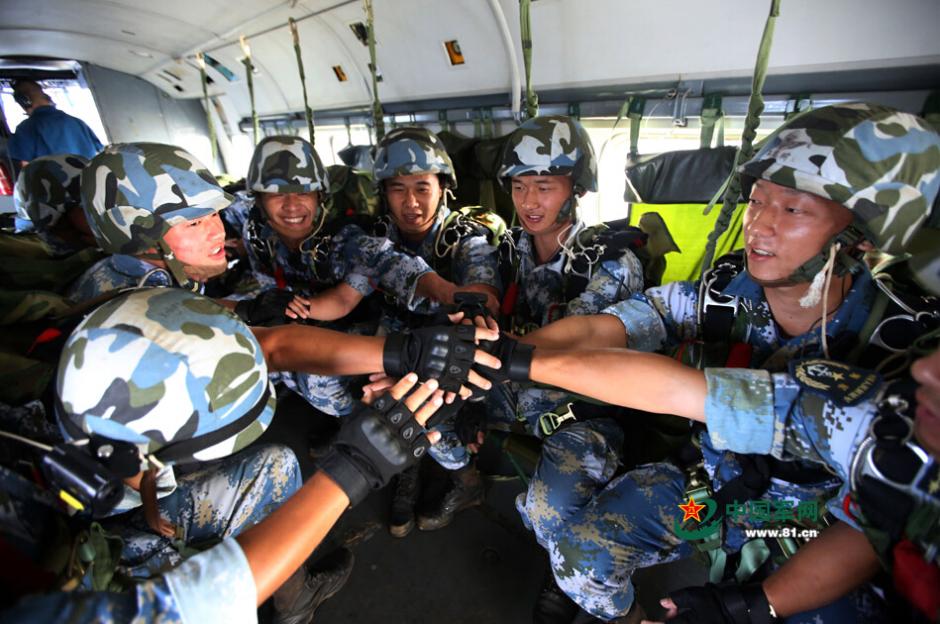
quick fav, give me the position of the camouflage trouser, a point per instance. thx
(220, 499)
(598, 529)
(330, 395)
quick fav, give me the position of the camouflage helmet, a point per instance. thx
(48, 186)
(882, 164)
(286, 164)
(550, 145)
(133, 193)
(412, 150)
(168, 370)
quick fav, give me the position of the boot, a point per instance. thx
(402, 517)
(553, 606)
(466, 491)
(296, 600)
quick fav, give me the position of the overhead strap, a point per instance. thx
(755, 106)
(308, 112)
(250, 70)
(712, 115)
(377, 114)
(200, 59)
(525, 29)
(632, 109)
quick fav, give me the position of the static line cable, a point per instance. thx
(377, 114)
(755, 107)
(525, 29)
(250, 70)
(308, 112)
(200, 59)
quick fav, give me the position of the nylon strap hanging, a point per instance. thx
(308, 112)
(250, 70)
(200, 59)
(444, 121)
(711, 115)
(487, 116)
(632, 109)
(525, 29)
(755, 107)
(377, 115)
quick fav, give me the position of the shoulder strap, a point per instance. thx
(717, 311)
(597, 244)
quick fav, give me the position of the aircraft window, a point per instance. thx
(69, 96)
(657, 135)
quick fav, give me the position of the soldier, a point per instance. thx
(831, 183)
(294, 244)
(164, 376)
(48, 191)
(414, 174)
(547, 164)
(154, 207)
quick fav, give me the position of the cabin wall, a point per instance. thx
(132, 109)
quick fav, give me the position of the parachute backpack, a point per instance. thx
(168, 371)
(133, 193)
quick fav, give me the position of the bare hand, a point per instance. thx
(298, 308)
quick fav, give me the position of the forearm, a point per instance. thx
(334, 303)
(278, 545)
(823, 570)
(597, 331)
(433, 286)
(319, 351)
(643, 381)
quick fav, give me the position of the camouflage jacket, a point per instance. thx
(662, 317)
(113, 273)
(349, 256)
(470, 260)
(541, 294)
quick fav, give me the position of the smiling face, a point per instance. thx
(926, 371)
(412, 201)
(538, 200)
(784, 228)
(200, 246)
(291, 215)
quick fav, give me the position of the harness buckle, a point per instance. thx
(550, 422)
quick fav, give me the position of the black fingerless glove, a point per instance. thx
(373, 445)
(444, 353)
(722, 604)
(267, 309)
(516, 359)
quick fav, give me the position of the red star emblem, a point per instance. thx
(691, 510)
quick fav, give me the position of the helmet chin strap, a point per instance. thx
(569, 209)
(846, 260)
(176, 268)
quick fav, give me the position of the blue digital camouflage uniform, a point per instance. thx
(349, 256)
(113, 273)
(597, 531)
(472, 261)
(541, 295)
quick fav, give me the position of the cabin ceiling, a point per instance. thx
(577, 43)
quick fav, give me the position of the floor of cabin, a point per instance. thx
(484, 568)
